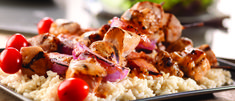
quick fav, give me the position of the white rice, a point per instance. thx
(37, 88)
(41, 88)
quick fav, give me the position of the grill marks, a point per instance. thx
(35, 61)
(165, 27)
(35, 58)
(116, 53)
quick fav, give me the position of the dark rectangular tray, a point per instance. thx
(167, 96)
(197, 92)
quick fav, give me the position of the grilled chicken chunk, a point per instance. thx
(106, 50)
(141, 67)
(209, 54)
(88, 70)
(35, 61)
(125, 41)
(89, 67)
(141, 64)
(48, 42)
(101, 31)
(165, 63)
(63, 26)
(88, 38)
(192, 62)
(172, 27)
(179, 45)
(145, 17)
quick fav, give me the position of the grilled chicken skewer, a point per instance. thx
(118, 41)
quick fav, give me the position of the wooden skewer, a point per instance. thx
(216, 22)
(199, 24)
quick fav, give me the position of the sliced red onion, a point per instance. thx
(146, 45)
(66, 46)
(116, 22)
(114, 71)
(118, 75)
(65, 49)
(59, 68)
(60, 62)
(79, 50)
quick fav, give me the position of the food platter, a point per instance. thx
(162, 97)
(147, 58)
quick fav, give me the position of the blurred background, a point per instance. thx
(22, 16)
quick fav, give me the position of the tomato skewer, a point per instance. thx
(73, 89)
(17, 41)
(11, 60)
(44, 25)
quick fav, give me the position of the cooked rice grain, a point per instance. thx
(37, 88)
(41, 88)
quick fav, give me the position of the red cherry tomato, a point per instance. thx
(17, 41)
(73, 89)
(10, 60)
(44, 25)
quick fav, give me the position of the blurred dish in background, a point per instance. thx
(177, 7)
(23, 15)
